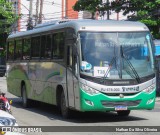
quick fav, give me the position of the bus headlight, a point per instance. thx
(88, 89)
(150, 88)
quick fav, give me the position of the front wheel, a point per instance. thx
(25, 101)
(65, 111)
(123, 113)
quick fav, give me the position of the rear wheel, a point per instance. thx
(25, 101)
(123, 113)
(65, 111)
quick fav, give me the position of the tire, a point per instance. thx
(65, 111)
(25, 101)
(123, 113)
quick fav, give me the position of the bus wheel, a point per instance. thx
(65, 111)
(25, 101)
(123, 113)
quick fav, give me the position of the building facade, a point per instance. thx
(40, 11)
(33, 12)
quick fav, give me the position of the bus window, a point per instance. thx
(69, 56)
(35, 47)
(48, 47)
(58, 47)
(26, 49)
(18, 49)
(11, 50)
(43, 46)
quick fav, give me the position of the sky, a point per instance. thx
(51, 11)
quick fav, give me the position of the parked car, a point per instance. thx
(6, 119)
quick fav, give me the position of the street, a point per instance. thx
(48, 115)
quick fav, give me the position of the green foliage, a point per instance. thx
(146, 11)
(87, 5)
(7, 16)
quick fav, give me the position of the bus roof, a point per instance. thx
(86, 25)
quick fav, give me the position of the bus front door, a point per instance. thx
(72, 82)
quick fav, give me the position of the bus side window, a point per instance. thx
(48, 47)
(69, 56)
(26, 49)
(43, 46)
(74, 60)
(18, 50)
(35, 47)
(10, 54)
(58, 45)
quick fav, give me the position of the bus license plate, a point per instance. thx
(119, 108)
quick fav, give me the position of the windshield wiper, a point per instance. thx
(131, 66)
(109, 68)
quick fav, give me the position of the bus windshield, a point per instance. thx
(116, 55)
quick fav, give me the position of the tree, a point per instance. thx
(87, 5)
(7, 18)
(146, 11)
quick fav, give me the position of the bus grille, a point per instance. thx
(116, 103)
(117, 94)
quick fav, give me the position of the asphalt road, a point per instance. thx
(48, 115)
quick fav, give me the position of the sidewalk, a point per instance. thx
(157, 99)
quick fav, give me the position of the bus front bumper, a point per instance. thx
(103, 102)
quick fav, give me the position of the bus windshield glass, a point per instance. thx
(116, 55)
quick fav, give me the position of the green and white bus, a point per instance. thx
(84, 65)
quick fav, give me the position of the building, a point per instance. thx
(40, 11)
(67, 10)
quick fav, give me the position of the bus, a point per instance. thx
(84, 65)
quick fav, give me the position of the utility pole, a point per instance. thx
(30, 23)
(30, 9)
(108, 10)
(118, 12)
(41, 10)
(37, 8)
